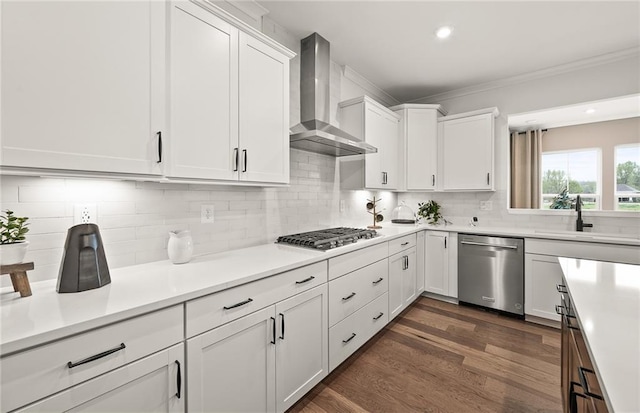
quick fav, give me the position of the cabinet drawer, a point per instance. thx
(208, 312)
(350, 292)
(400, 244)
(33, 374)
(352, 332)
(347, 263)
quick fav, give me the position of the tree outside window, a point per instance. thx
(579, 171)
(628, 177)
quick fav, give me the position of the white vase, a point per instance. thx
(180, 247)
(13, 253)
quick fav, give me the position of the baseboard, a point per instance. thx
(439, 297)
(543, 321)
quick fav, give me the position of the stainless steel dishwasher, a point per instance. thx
(491, 272)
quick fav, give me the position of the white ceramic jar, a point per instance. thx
(180, 247)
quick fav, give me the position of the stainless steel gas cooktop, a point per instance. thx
(327, 238)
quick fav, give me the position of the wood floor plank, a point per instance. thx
(440, 357)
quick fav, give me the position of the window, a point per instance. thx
(578, 171)
(627, 162)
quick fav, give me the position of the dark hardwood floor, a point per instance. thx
(439, 357)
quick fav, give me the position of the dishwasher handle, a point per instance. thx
(482, 244)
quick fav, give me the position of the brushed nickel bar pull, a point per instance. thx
(350, 296)
(561, 288)
(376, 282)
(378, 316)
(404, 243)
(433, 180)
(488, 174)
(273, 341)
(350, 338)
(244, 166)
(481, 244)
(96, 356)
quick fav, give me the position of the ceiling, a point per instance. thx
(392, 43)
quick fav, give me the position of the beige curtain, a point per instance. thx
(526, 156)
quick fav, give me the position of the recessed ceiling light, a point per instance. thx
(444, 32)
(590, 111)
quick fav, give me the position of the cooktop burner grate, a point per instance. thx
(327, 238)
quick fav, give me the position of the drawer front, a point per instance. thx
(348, 335)
(401, 244)
(349, 293)
(33, 374)
(211, 311)
(347, 263)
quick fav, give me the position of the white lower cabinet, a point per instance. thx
(402, 281)
(153, 384)
(542, 273)
(301, 346)
(264, 361)
(349, 334)
(420, 261)
(441, 263)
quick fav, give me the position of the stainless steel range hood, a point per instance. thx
(314, 133)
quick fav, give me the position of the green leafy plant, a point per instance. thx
(12, 229)
(562, 200)
(430, 211)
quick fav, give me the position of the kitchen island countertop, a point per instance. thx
(606, 299)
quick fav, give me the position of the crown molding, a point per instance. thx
(539, 74)
(372, 90)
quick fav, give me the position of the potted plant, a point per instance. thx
(430, 211)
(13, 246)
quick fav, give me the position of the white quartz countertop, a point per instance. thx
(606, 299)
(135, 290)
(46, 315)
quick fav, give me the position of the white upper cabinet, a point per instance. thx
(418, 146)
(178, 83)
(264, 112)
(204, 94)
(82, 85)
(375, 124)
(466, 145)
(229, 100)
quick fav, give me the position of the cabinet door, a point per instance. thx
(232, 368)
(402, 281)
(420, 261)
(153, 384)
(82, 85)
(264, 112)
(381, 131)
(302, 350)
(437, 263)
(467, 153)
(409, 277)
(421, 134)
(541, 275)
(204, 94)
(396, 269)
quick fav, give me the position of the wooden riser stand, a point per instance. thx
(19, 279)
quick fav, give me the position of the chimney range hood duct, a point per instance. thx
(314, 133)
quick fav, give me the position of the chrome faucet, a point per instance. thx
(580, 225)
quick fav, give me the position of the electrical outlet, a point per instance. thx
(486, 205)
(85, 214)
(206, 214)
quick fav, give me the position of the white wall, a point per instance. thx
(618, 78)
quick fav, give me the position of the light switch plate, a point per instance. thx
(207, 214)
